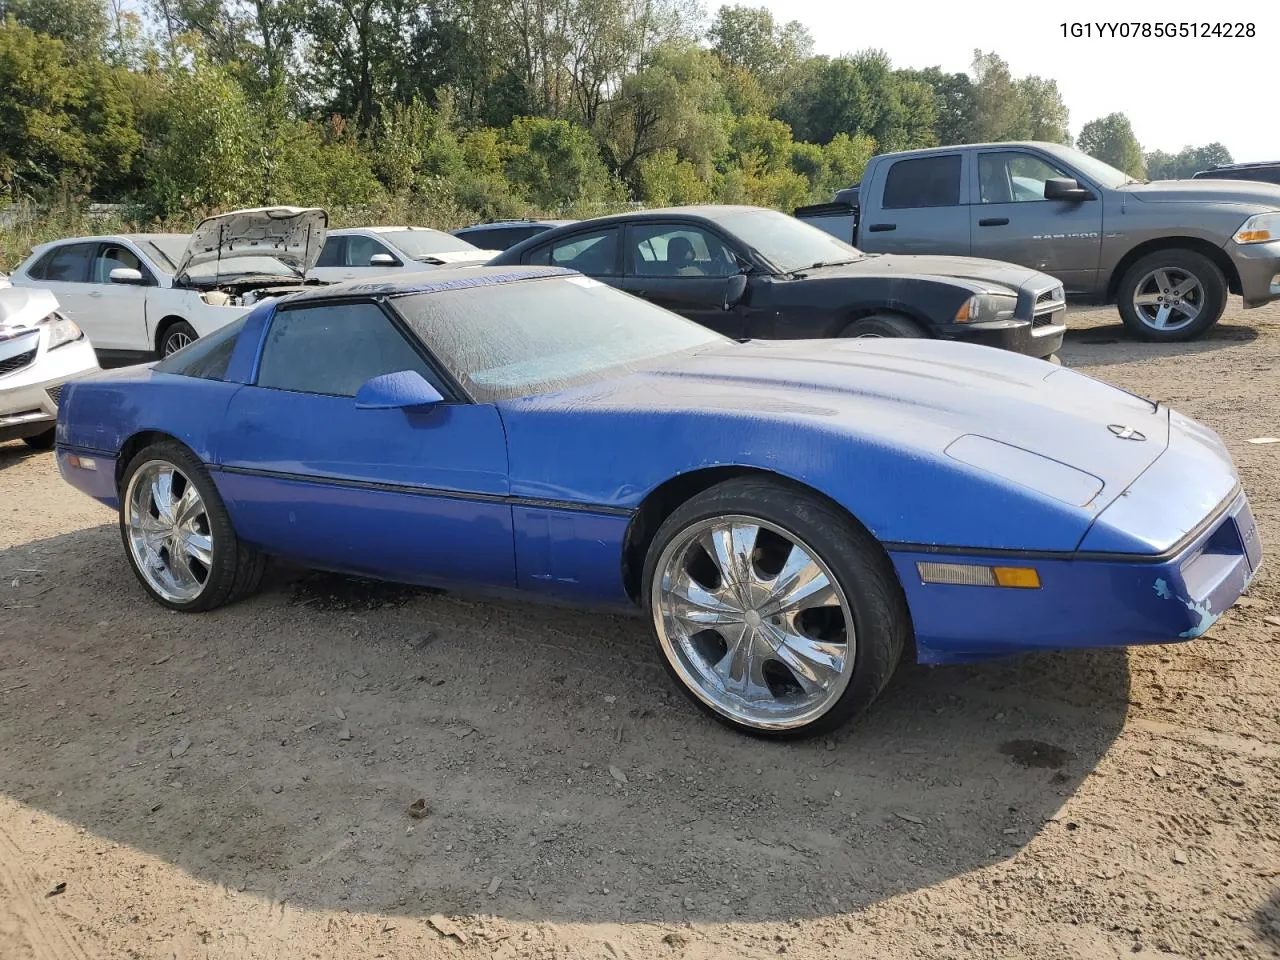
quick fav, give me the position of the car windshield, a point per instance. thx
(519, 339)
(1101, 173)
(787, 243)
(424, 242)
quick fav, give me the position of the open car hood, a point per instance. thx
(292, 235)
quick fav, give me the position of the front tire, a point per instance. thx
(1171, 295)
(176, 336)
(774, 610)
(177, 533)
(883, 325)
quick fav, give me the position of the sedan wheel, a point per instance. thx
(773, 609)
(169, 532)
(177, 533)
(180, 335)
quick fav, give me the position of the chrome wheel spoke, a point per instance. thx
(1148, 299)
(1185, 287)
(815, 664)
(697, 604)
(741, 668)
(162, 495)
(1162, 316)
(188, 507)
(730, 547)
(199, 546)
(800, 584)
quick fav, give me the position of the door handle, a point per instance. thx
(881, 227)
(994, 222)
(641, 293)
(95, 293)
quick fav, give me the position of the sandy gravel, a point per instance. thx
(236, 785)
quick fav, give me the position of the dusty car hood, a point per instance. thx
(920, 396)
(21, 308)
(974, 269)
(292, 235)
(1207, 191)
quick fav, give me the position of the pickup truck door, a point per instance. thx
(1012, 220)
(683, 267)
(918, 205)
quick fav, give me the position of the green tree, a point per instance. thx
(1111, 140)
(555, 163)
(1187, 162)
(954, 101)
(67, 123)
(1046, 116)
(80, 24)
(749, 39)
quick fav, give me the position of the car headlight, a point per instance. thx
(1259, 228)
(62, 331)
(987, 306)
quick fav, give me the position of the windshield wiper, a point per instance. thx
(825, 263)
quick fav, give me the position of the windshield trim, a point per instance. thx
(727, 222)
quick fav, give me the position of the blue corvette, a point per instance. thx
(791, 516)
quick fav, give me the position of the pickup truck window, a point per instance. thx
(923, 182)
(1009, 176)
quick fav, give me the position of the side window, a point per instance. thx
(333, 252)
(664, 250)
(112, 255)
(483, 238)
(67, 264)
(333, 349)
(361, 249)
(923, 182)
(594, 254)
(1008, 176)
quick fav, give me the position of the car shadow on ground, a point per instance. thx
(1103, 344)
(277, 746)
(14, 452)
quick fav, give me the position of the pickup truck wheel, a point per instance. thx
(883, 325)
(176, 336)
(1172, 295)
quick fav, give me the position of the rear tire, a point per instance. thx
(176, 336)
(796, 639)
(41, 441)
(1171, 284)
(177, 533)
(883, 325)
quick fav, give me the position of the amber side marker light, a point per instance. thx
(974, 575)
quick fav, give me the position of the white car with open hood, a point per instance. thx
(149, 294)
(354, 253)
(40, 350)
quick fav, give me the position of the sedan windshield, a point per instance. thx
(787, 243)
(423, 242)
(508, 340)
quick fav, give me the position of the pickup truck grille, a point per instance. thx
(18, 361)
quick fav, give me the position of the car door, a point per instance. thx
(120, 309)
(1013, 221)
(923, 208)
(417, 495)
(595, 252)
(684, 268)
(349, 256)
(64, 270)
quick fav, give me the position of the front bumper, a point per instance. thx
(1258, 265)
(1088, 600)
(1020, 336)
(29, 398)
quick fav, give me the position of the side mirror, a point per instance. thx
(1064, 188)
(734, 290)
(126, 275)
(392, 391)
(382, 260)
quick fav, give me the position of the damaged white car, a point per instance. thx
(145, 295)
(40, 350)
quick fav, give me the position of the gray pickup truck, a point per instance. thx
(1166, 253)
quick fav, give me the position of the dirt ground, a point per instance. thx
(236, 785)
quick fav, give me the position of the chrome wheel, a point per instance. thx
(1169, 298)
(168, 531)
(175, 342)
(753, 622)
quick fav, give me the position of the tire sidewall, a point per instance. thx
(851, 554)
(180, 326)
(1205, 270)
(887, 325)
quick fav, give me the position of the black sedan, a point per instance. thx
(754, 273)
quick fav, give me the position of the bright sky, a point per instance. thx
(1175, 92)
